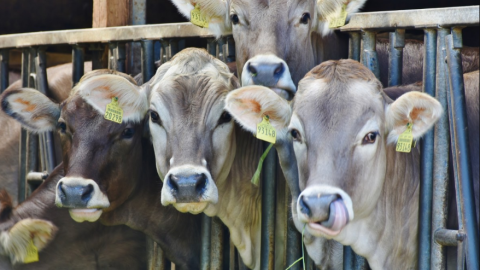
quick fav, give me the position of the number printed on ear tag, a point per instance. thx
(404, 143)
(197, 18)
(113, 112)
(32, 253)
(265, 131)
(340, 19)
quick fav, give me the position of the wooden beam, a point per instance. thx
(108, 13)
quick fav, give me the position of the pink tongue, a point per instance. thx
(341, 217)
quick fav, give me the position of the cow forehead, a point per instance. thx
(337, 107)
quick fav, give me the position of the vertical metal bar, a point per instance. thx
(294, 238)
(22, 175)
(42, 86)
(216, 245)
(348, 258)
(205, 253)
(354, 46)
(370, 58)
(426, 161)
(120, 57)
(111, 56)
(395, 62)
(78, 58)
(230, 53)
(309, 263)
(267, 251)
(4, 57)
(440, 155)
(148, 65)
(457, 92)
(212, 47)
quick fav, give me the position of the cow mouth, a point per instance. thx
(285, 93)
(192, 208)
(86, 214)
(337, 220)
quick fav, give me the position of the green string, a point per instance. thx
(303, 254)
(256, 175)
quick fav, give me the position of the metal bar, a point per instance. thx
(457, 92)
(348, 258)
(267, 252)
(294, 238)
(440, 155)
(419, 18)
(205, 253)
(22, 175)
(4, 57)
(395, 61)
(212, 47)
(426, 157)
(148, 65)
(32, 139)
(78, 59)
(446, 237)
(120, 57)
(354, 42)
(216, 245)
(230, 49)
(369, 56)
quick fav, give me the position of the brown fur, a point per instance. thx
(5, 205)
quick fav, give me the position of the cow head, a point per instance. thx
(95, 150)
(341, 126)
(192, 135)
(274, 39)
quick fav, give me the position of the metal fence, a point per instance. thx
(443, 79)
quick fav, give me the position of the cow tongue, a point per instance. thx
(338, 217)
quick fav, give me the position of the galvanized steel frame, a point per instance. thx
(362, 28)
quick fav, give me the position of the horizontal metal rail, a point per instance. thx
(109, 34)
(418, 18)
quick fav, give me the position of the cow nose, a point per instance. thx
(189, 188)
(76, 196)
(266, 74)
(317, 208)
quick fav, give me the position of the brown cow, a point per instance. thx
(59, 86)
(109, 168)
(342, 103)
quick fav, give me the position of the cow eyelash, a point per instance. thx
(224, 118)
(154, 117)
(234, 18)
(370, 137)
(62, 127)
(305, 18)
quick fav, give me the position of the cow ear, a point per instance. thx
(249, 104)
(100, 90)
(330, 9)
(215, 10)
(35, 111)
(416, 108)
(15, 242)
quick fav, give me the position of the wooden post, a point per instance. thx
(107, 13)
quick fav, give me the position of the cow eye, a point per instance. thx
(224, 118)
(370, 138)
(128, 133)
(234, 18)
(296, 135)
(154, 117)
(62, 126)
(305, 18)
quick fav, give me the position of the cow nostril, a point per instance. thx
(172, 182)
(201, 183)
(253, 71)
(61, 192)
(87, 192)
(304, 207)
(278, 70)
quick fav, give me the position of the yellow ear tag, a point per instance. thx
(339, 20)
(197, 18)
(265, 131)
(113, 112)
(32, 253)
(404, 143)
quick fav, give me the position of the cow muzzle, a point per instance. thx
(189, 189)
(83, 197)
(269, 71)
(326, 212)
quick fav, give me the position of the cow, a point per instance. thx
(109, 167)
(62, 242)
(355, 187)
(278, 42)
(59, 86)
